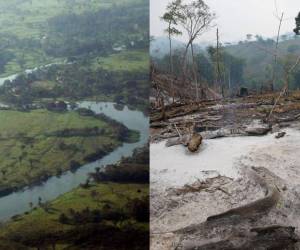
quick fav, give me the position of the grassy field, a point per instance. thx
(133, 61)
(29, 151)
(102, 197)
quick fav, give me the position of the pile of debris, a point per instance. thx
(180, 122)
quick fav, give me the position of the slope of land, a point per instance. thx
(35, 33)
(90, 216)
(258, 57)
(38, 144)
(75, 50)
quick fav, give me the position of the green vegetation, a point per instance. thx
(120, 77)
(247, 64)
(35, 33)
(102, 210)
(128, 61)
(91, 215)
(65, 141)
(106, 43)
(22, 17)
(259, 61)
(100, 51)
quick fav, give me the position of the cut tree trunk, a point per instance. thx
(195, 142)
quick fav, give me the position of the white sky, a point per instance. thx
(236, 18)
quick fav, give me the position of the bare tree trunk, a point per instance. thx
(285, 89)
(229, 80)
(276, 53)
(184, 59)
(195, 73)
(218, 65)
(171, 63)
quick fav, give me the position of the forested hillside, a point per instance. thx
(91, 49)
(247, 63)
(34, 33)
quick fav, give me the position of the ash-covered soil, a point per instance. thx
(227, 173)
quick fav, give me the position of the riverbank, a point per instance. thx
(65, 140)
(18, 202)
(99, 207)
(93, 212)
(108, 80)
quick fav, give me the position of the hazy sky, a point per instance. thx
(236, 18)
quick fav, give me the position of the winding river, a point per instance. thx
(18, 202)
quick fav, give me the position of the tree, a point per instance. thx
(231, 68)
(249, 37)
(170, 17)
(205, 68)
(276, 52)
(195, 18)
(297, 29)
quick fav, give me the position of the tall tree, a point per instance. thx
(170, 17)
(276, 53)
(195, 18)
(297, 29)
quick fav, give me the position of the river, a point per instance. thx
(28, 71)
(18, 202)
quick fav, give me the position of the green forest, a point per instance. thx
(248, 63)
(54, 56)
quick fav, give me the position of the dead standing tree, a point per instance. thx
(218, 65)
(170, 17)
(195, 18)
(288, 71)
(276, 51)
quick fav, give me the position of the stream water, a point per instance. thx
(18, 202)
(28, 71)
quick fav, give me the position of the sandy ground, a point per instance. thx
(172, 168)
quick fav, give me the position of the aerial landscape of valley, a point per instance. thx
(73, 124)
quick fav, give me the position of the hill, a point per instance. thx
(258, 58)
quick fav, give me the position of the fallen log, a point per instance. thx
(223, 132)
(159, 124)
(220, 107)
(177, 141)
(286, 119)
(262, 205)
(206, 135)
(270, 237)
(257, 128)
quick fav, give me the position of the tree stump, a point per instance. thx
(195, 142)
